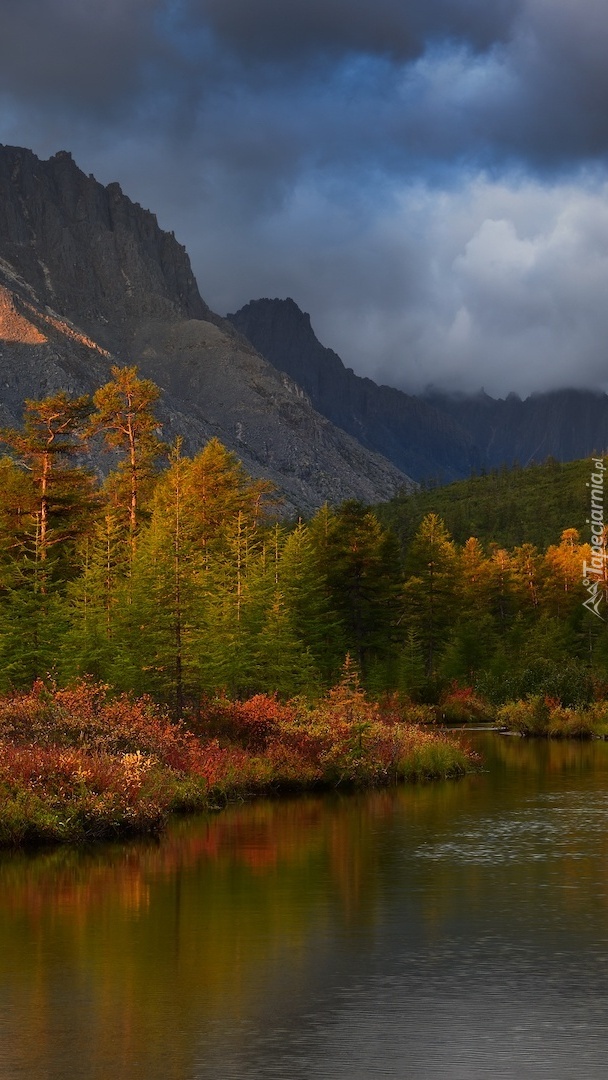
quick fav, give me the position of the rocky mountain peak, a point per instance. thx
(411, 433)
(88, 279)
(88, 251)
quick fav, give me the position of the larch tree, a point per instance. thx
(46, 448)
(217, 489)
(124, 414)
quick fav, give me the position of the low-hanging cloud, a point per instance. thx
(498, 285)
(428, 180)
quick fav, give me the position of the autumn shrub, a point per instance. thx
(570, 723)
(347, 739)
(529, 716)
(83, 764)
(88, 716)
(420, 714)
(53, 793)
(344, 739)
(546, 716)
(399, 708)
(462, 705)
(250, 723)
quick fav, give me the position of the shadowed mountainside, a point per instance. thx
(437, 437)
(88, 279)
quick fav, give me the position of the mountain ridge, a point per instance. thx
(88, 279)
(417, 437)
(437, 437)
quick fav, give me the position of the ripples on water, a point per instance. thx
(547, 827)
(447, 931)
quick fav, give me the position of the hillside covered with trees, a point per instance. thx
(507, 506)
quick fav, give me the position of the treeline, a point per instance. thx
(174, 578)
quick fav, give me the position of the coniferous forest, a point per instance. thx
(177, 576)
(176, 583)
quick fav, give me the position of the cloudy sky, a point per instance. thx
(428, 178)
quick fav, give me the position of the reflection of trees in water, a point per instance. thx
(218, 899)
(137, 953)
(547, 755)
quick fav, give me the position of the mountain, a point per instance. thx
(416, 436)
(565, 424)
(88, 280)
(437, 437)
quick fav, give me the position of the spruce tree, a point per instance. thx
(430, 592)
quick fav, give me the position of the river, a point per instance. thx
(455, 930)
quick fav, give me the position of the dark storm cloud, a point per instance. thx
(552, 108)
(407, 86)
(426, 177)
(87, 57)
(517, 80)
(274, 29)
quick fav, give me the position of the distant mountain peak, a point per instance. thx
(409, 431)
(438, 436)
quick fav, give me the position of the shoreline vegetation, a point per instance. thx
(546, 717)
(82, 764)
(533, 716)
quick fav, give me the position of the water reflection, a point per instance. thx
(458, 930)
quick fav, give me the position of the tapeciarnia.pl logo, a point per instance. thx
(594, 572)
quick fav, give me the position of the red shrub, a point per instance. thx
(247, 723)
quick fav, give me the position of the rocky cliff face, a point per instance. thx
(88, 279)
(439, 437)
(88, 251)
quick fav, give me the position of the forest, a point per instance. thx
(178, 576)
(506, 506)
(170, 639)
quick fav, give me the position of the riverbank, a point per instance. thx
(81, 764)
(542, 717)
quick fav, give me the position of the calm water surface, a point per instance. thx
(453, 931)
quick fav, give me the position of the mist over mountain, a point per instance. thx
(439, 436)
(416, 436)
(88, 280)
